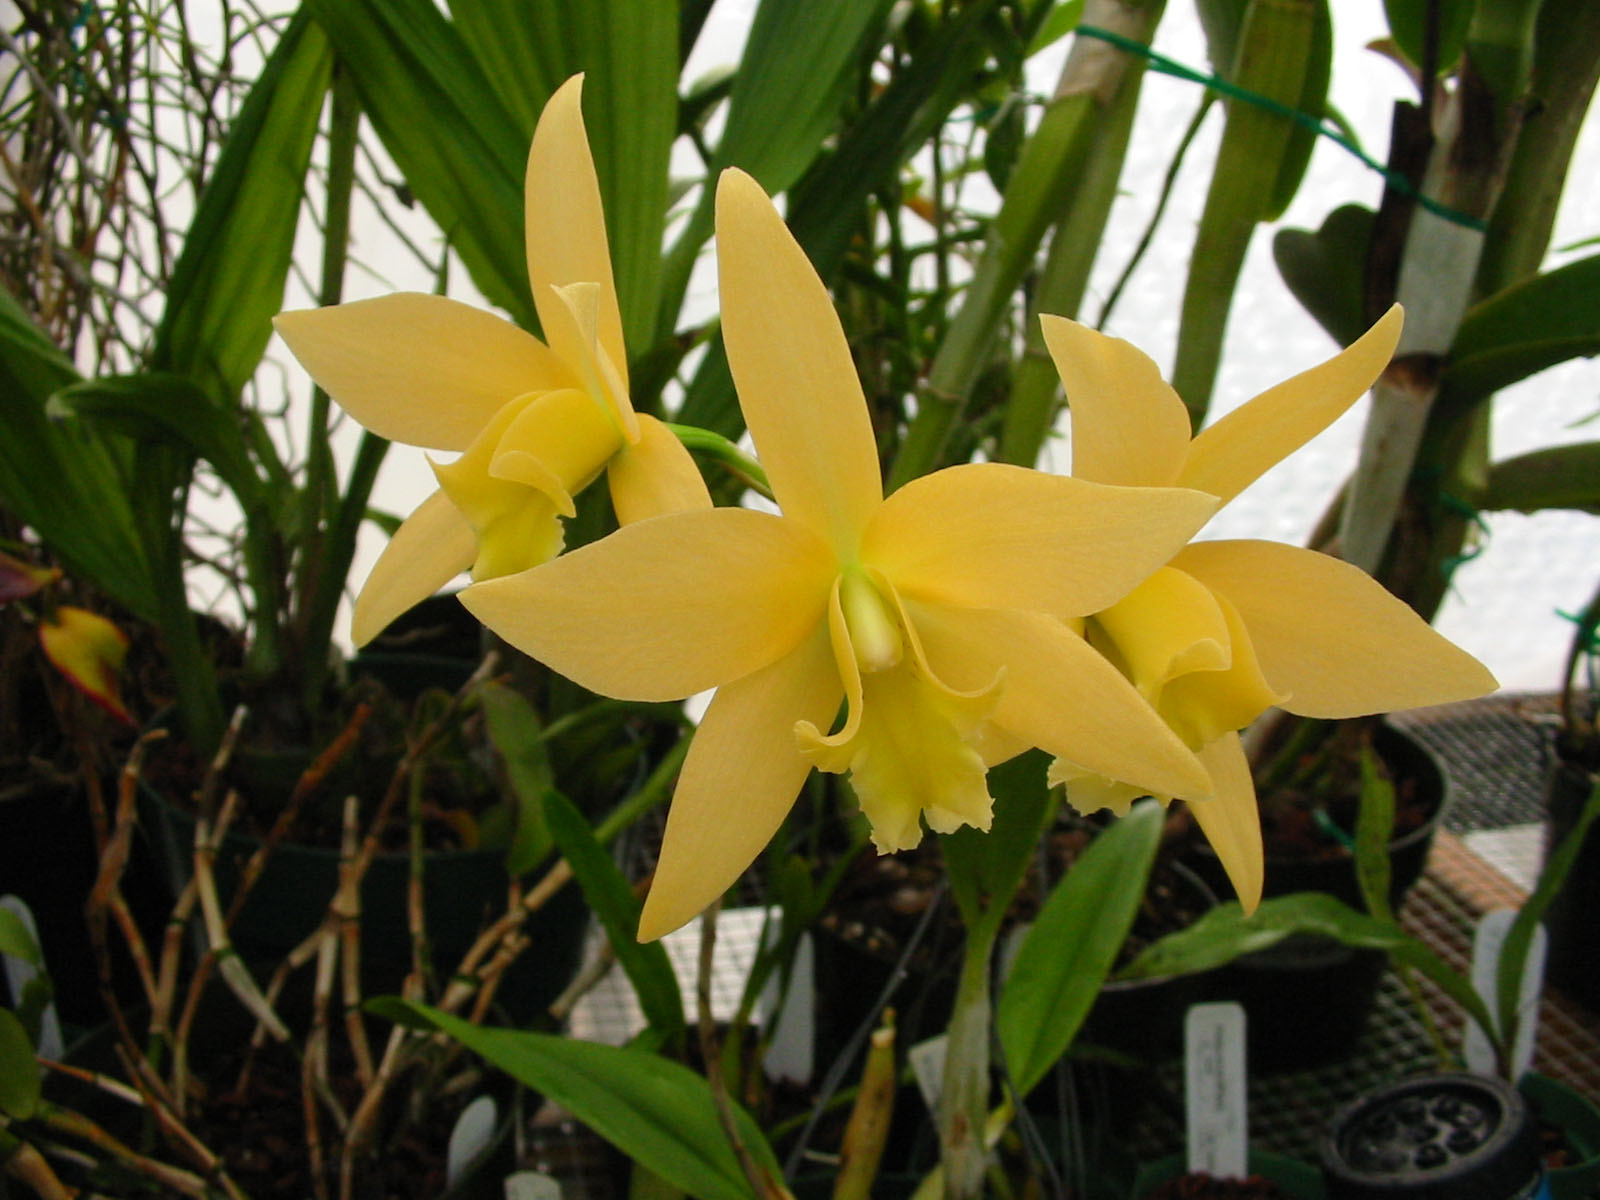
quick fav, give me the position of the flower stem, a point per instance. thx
(964, 1096)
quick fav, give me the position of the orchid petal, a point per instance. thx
(1059, 694)
(1232, 454)
(565, 223)
(424, 370)
(646, 614)
(432, 547)
(1329, 636)
(570, 322)
(1230, 819)
(739, 780)
(1203, 705)
(89, 651)
(1128, 426)
(655, 475)
(796, 381)
(558, 444)
(991, 535)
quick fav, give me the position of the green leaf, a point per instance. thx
(613, 901)
(1555, 477)
(1326, 270)
(1527, 327)
(658, 1113)
(1514, 952)
(628, 51)
(228, 282)
(65, 482)
(17, 941)
(514, 731)
(460, 149)
(1374, 828)
(19, 1070)
(171, 410)
(1062, 20)
(1073, 943)
(986, 867)
(1408, 23)
(800, 63)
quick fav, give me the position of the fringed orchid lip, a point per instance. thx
(536, 423)
(946, 617)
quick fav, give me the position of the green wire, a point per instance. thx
(1318, 125)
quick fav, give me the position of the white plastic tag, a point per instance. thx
(1487, 944)
(1214, 1090)
(927, 1064)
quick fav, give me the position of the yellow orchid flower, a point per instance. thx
(938, 615)
(1229, 628)
(535, 423)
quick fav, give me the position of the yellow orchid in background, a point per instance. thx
(535, 423)
(938, 615)
(1229, 628)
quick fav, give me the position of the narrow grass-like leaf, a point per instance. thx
(1072, 945)
(613, 901)
(460, 149)
(228, 282)
(657, 1112)
(1374, 828)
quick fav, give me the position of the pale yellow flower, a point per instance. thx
(535, 422)
(939, 615)
(1228, 628)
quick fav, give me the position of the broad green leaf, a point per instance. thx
(613, 902)
(1062, 20)
(1527, 327)
(514, 731)
(657, 1112)
(228, 282)
(169, 409)
(1221, 20)
(460, 149)
(1555, 477)
(17, 941)
(19, 1070)
(1325, 270)
(1225, 933)
(1072, 945)
(65, 482)
(628, 52)
(1374, 828)
(986, 867)
(1408, 25)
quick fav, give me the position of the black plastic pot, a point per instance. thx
(1440, 1137)
(1309, 983)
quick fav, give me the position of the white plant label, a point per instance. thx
(1487, 944)
(927, 1064)
(1214, 1090)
